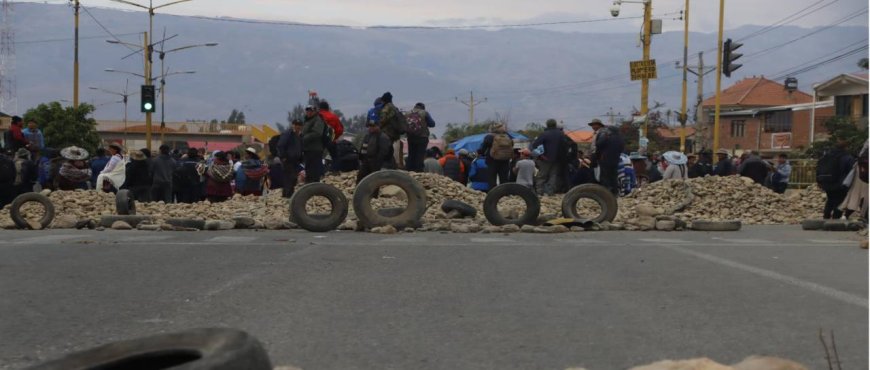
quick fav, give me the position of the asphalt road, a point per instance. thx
(349, 300)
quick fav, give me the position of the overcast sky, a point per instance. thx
(703, 17)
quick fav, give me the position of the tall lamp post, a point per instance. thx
(125, 95)
(162, 54)
(647, 38)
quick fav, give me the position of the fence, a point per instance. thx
(803, 173)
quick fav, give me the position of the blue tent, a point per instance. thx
(474, 142)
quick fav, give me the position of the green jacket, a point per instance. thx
(312, 134)
(389, 121)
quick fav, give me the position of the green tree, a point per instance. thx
(280, 127)
(456, 131)
(66, 126)
(233, 115)
(533, 130)
(839, 128)
(864, 63)
(240, 118)
(298, 112)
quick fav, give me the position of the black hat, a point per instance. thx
(387, 98)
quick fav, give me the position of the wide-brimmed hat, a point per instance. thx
(596, 121)
(251, 150)
(137, 155)
(74, 153)
(676, 158)
(723, 151)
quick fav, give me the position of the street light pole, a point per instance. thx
(162, 55)
(647, 38)
(683, 116)
(125, 95)
(77, 6)
(718, 77)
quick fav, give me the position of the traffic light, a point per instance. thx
(148, 99)
(729, 56)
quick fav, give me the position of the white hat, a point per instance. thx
(251, 150)
(676, 158)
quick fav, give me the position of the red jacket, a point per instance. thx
(18, 136)
(333, 121)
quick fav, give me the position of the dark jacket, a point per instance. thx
(724, 168)
(389, 121)
(754, 168)
(290, 146)
(553, 141)
(609, 147)
(376, 149)
(700, 169)
(453, 167)
(162, 168)
(312, 134)
(137, 174)
(348, 157)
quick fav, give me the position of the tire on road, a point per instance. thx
(18, 219)
(318, 223)
(212, 349)
(461, 208)
(605, 199)
(812, 224)
(369, 218)
(490, 205)
(132, 220)
(125, 204)
(840, 225)
(702, 225)
(186, 223)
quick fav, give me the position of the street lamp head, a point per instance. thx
(212, 44)
(109, 70)
(614, 10)
(113, 41)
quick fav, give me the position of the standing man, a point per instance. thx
(419, 123)
(34, 137)
(548, 162)
(831, 170)
(312, 145)
(606, 155)
(724, 167)
(14, 137)
(499, 149)
(702, 167)
(390, 121)
(162, 168)
(290, 152)
(335, 123)
(753, 167)
(781, 173)
(374, 152)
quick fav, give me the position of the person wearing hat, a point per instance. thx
(724, 167)
(114, 174)
(419, 123)
(252, 174)
(137, 177)
(374, 152)
(74, 173)
(162, 167)
(549, 162)
(702, 167)
(525, 169)
(390, 123)
(452, 166)
(432, 164)
(753, 167)
(675, 166)
(312, 144)
(465, 158)
(290, 152)
(219, 175)
(499, 149)
(331, 120)
(607, 148)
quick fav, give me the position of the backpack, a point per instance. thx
(328, 135)
(7, 170)
(502, 147)
(417, 125)
(401, 123)
(829, 175)
(185, 175)
(256, 173)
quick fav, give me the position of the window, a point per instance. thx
(778, 121)
(738, 128)
(843, 106)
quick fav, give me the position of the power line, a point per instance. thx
(88, 12)
(71, 39)
(825, 28)
(794, 72)
(787, 19)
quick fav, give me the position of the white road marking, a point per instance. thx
(669, 241)
(744, 241)
(582, 240)
(828, 241)
(491, 240)
(821, 289)
(48, 239)
(231, 239)
(144, 238)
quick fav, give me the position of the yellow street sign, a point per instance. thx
(643, 70)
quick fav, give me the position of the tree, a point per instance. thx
(533, 130)
(280, 127)
(298, 113)
(240, 118)
(66, 126)
(839, 128)
(233, 115)
(456, 131)
(863, 63)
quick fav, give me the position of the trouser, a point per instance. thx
(498, 171)
(313, 166)
(332, 149)
(547, 177)
(367, 168)
(291, 176)
(141, 193)
(609, 178)
(398, 155)
(780, 187)
(832, 205)
(162, 192)
(416, 153)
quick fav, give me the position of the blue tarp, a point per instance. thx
(474, 142)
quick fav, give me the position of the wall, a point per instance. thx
(752, 140)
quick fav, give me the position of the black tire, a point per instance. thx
(187, 223)
(490, 205)
(125, 204)
(840, 225)
(605, 199)
(812, 224)
(390, 212)
(132, 220)
(318, 223)
(702, 225)
(199, 349)
(464, 209)
(15, 210)
(369, 218)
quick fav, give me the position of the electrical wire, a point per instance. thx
(787, 19)
(825, 28)
(794, 71)
(88, 12)
(71, 38)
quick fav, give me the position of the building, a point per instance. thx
(847, 93)
(671, 137)
(180, 135)
(764, 116)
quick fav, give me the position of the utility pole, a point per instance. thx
(8, 97)
(612, 115)
(77, 6)
(699, 70)
(718, 77)
(683, 116)
(647, 38)
(471, 104)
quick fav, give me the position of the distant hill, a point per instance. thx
(526, 74)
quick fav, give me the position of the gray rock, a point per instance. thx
(666, 225)
(409, 230)
(648, 210)
(527, 229)
(276, 224)
(148, 227)
(244, 222)
(121, 225)
(577, 229)
(460, 229)
(617, 226)
(510, 229)
(560, 229)
(492, 230)
(64, 222)
(388, 230)
(167, 227)
(645, 222)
